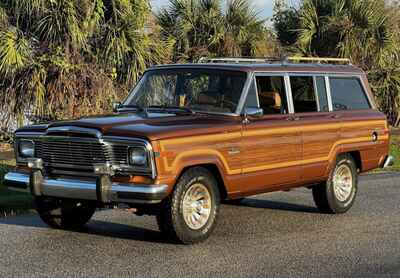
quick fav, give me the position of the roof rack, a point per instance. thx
(284, 60)
(319, 60)
(238, 60)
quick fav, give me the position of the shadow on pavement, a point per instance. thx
(276, 205)
(126, 231)
(95, 227)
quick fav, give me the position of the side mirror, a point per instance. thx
(255, 112)
(116, 105)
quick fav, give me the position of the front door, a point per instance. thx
(272, 145)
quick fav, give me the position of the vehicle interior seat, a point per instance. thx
(271, 102)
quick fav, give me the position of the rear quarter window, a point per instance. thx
(348, 94)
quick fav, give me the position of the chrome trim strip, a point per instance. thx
(316, 93)
(28, 134)
(142, 189)
(289, 94)
(328, 93)
(17, 181)
(243, 96)
(75, 129)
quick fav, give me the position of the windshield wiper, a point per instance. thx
(171, 109)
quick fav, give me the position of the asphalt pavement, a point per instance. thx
(272, 235)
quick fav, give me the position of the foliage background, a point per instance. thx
(67, 58)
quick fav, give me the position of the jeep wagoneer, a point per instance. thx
(192, 135)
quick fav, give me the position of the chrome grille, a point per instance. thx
(119, 154)
(78, 155)
(72, 154)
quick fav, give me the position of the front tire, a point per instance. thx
(64, 214)
(190, 214)
(338, 194)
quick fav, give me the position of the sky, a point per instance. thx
(265, 7)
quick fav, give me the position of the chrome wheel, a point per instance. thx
(196, 206)
(343, 182)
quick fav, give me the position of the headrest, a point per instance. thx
(271, 99)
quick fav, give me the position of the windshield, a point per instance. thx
(195, 89)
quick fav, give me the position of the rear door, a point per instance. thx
(320, 127)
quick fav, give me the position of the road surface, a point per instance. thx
(273, 235)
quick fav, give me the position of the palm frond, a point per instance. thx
(15, 51)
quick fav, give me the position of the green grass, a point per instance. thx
(395, 152)
(11, 202)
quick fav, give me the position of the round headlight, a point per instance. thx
(26, 148)
(137, 156)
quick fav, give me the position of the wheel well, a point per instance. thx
(357, 159)
(217, 175)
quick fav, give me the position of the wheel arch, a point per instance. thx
(355, 154)
(215, 171)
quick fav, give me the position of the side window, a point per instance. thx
(348, 94)
(251, 98)
(272, 94)
(321, 94)
(303, 93)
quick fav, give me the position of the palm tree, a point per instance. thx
(65, 58)
(362, 30)
(206, 28)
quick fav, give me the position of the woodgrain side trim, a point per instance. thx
(222, 137)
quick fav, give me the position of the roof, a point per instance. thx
(268, 67)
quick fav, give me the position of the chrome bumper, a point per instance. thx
(389, 161)
(96, 190)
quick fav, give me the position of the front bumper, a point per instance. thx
(102, 189)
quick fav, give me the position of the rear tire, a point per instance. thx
(64, 214)
(338, 194)
(189, 215)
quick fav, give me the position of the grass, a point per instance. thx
(395, 152)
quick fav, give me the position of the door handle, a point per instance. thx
(335, 116)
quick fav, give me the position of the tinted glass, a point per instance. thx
(272, 94)
(197, 89)
(251, 99)
(321, 94)
(348, 94)
(303, 93)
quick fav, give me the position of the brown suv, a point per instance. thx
(190, 136)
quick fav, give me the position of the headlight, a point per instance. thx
(137, 156)
(26, 148)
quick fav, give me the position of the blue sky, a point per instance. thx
(264, 6)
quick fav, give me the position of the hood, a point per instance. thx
(153, 126)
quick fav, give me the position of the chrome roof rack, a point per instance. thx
(319, 60)
(238, 60)
(284, 60)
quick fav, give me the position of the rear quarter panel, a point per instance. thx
(356, 134)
